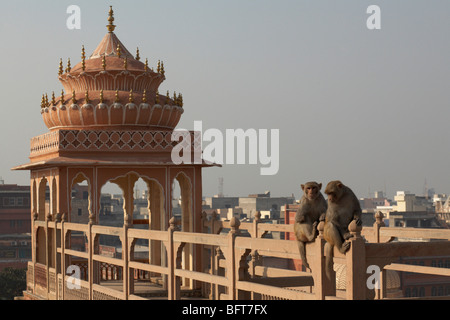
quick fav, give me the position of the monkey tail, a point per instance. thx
(329, 252)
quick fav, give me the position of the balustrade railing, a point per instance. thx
(232, 266)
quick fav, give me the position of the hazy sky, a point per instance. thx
(368, 107)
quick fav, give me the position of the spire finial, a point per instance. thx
(83, 58)
(146, 65)
(104, 63)
(119, 53)
(116, 100)
(74, 100)
(131, 98)
(61, 68)
(168, 98)
(138, 57)
(144, 96)
(111, 25)
(163, 72)
(68, 66)
(101, 96)
(62, 97)
(87, 97)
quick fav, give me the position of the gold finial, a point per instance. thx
(168, 97)
(74, 101)
(157, 98)
(87, 97)
(117, 96)
(62, 97)
(118, 50)
(61, 68)
(46, 100)
(131, 99)
(104, 62)
(138, 57)
(158, 69)
(175, 100)
(101, 96)
(53, 99)
(43, 101)
(144, 96)
(111, 26)
(125, 63)
(83, 59)
(163, 72)
(68, 66)
(146, 65)
(180, 99)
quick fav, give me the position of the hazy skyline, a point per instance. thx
(367, 107)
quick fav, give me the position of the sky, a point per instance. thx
(367, 107)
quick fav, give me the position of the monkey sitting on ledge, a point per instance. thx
(343, 207)
(312, 206)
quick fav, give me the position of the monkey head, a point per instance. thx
(334, 191)
(311, 190)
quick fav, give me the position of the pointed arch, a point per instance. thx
(42, 204)
(186, 204)
(80, 200)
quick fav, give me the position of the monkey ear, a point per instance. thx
(320, 186)
(303, 187)
(340, 185)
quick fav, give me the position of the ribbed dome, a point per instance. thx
(111, 89)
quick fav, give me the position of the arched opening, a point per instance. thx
(43, 200)
(157, 220)
(80, 200)
(182, 184)
(141, 219)
(80, 211)
(111, 214)
(182, 196)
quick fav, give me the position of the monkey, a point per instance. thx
(343, 207)
(312, 206)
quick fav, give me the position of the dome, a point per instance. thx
(111, 89)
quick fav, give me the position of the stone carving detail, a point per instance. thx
(114, 141)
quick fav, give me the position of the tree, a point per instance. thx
(12, 283)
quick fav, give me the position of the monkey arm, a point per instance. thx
(300, 216)
(357, 216)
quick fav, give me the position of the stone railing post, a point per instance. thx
(377, 225)
(171, 256)
(218, 271)
(322, 285)
(356, 264)
(231, 258)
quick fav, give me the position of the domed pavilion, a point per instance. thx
(109, 124)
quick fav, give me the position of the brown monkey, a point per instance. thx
(312, 206)
(343, 207)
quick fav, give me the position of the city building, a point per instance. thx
(15, 225)
(269, 207)
(410, 202)
(372, 204)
